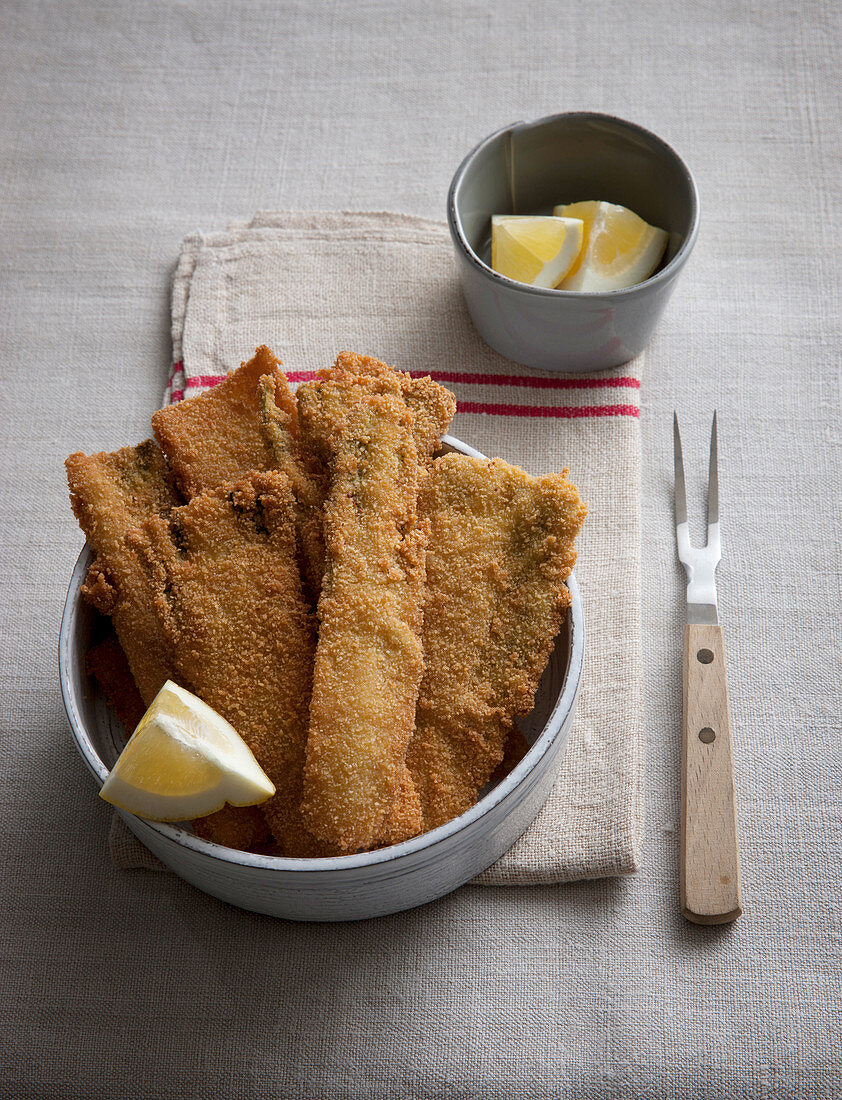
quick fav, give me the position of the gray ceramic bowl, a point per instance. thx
(527, 168)
(348, 887)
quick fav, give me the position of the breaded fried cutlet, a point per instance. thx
(111, 493)
(327, 399)
(307, 477)
(432, 406)
(228, 592)
(306, 460)
(368, 659)
(404, 820)
(217, 436)
(500, 551)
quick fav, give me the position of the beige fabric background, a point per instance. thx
(126, 126)
(383, 284)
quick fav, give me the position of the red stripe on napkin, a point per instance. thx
(207, 381)
(530, 381)
(567, 412)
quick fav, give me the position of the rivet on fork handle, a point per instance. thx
(710, 862)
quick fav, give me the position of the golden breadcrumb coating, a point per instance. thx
(228, 591)
(368, 660)
(337, 387)
(404, 820)
(307, 476)
(500, 550)
(325, 486)
(217, 436)
(432, 405)
(306, 461)
(110, 494)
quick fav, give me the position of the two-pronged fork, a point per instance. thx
(710, 858)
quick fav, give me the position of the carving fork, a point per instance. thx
(710, 858)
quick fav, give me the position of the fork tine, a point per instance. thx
(713, 479)
(680, 492)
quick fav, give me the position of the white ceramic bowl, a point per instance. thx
(347, 887)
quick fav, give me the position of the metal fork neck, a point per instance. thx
(700, 565)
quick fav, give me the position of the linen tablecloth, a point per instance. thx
(124, 126)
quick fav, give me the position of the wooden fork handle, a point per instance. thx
(710, 857)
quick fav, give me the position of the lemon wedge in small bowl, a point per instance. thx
(184, 761)
(620, 249)
(536, 250)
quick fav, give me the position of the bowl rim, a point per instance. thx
(666, 273)
(394, 853)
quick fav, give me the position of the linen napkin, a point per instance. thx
(312, 284)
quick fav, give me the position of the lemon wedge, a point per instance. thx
(620, 249)
(184, 761)
(535, 250)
